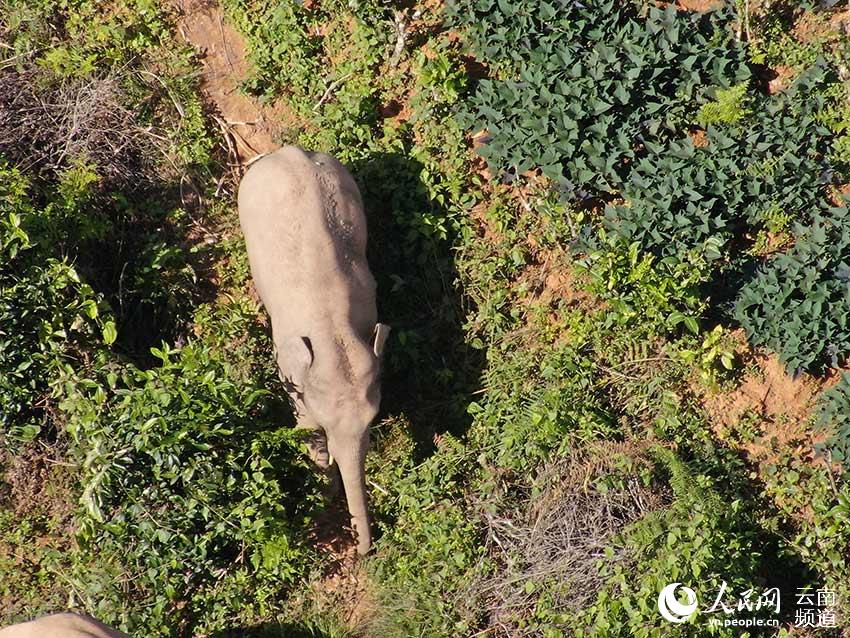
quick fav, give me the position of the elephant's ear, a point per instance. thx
(297, 355)
(379, 338)
(306, 352)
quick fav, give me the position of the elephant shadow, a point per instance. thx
(276, 630)
(430, 371)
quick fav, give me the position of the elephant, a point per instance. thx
(64, 625)
(302, 218)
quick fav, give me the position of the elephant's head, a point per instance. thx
(342, 395)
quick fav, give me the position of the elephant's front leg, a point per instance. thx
(316, 440)
(317, 443)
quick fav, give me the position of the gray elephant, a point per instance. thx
(302, 217)
(66, 625)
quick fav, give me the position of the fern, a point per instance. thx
(729, 106)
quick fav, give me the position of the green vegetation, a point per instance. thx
(834, 418)
(215, 494)
(728, 107)
(579, 88)
(798, 304)
(567, 422)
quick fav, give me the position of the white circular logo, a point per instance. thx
(670, 607)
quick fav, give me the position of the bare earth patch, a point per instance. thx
(781, 405)
(700, 5)
(552, 283)
(40, 483)
(813, 27)
(343, 589)
(699, 138)
(250, 128)
(38, 489)
(783, 76)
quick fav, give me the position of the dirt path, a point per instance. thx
(249, 128)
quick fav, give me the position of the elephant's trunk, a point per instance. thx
(350, 455)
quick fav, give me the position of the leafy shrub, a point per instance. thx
(97, 39)
(429, 550)
(807, 494)
(583, 85)
(778, 44)
(653, 295)
(287, 49)
(699, 539)
(443, 81)
(189, 492)
(331, 80)
(285, 46)
(46, 314)
(539, 402)
(798, 304)
(711, 355)
(728, 107)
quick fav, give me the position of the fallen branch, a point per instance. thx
(328, 91)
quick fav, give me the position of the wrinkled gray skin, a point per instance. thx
(302, 217)
(67, 625)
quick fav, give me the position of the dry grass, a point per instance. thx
(48, 125)
(557, 540)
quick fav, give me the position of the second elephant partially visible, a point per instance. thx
(65, 625)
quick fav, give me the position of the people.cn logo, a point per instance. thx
(669, 606)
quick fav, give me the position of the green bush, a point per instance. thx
(682, 198)
(47, 314)
(808, 500)
(194, 499)
(331, 80)
(90, 38)
(539, 402)
(427, 553)
(728, 107)
(699, 540)
(581, 86)
(654, 295)
(190, 492)
(833, 418)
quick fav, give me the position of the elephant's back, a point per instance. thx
(302, 217)
(311, 192)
